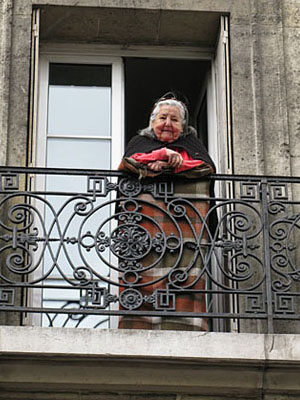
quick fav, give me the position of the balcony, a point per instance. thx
(102, 249)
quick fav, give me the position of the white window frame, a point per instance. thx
(40, 135)
(117, 103)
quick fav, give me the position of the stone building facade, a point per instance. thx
(263, 63)
(248, 55)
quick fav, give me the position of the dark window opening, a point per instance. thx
(147, 79)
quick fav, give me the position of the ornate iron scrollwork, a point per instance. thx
(131, 246)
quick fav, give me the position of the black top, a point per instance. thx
(189, 142)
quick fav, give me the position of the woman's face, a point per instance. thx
(167, 124)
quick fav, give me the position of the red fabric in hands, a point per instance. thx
(161, 155)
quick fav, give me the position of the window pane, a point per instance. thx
(79, 110)
(73, 153)
(78, 153)
(80, 74)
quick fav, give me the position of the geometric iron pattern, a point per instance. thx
(124, 247)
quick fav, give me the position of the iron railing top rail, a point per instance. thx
(106, 172)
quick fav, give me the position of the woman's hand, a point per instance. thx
(174, 159)
(157, 165)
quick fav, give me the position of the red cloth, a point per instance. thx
(161, 155)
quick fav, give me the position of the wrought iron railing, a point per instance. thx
(101, 248)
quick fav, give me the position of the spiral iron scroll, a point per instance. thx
(152, 239)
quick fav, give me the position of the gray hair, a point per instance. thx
(168, 102)
(183, 114)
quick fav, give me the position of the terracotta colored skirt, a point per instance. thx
(165, 270)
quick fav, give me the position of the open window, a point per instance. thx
(93, 100)
(81, 104)
(192, 59)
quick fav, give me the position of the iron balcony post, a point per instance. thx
(266, 250)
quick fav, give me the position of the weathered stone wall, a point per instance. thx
(15, 61)
(265, 79)
(5, 50)
(291, 53)
(264, 71)
(15, 33)
(265, 60)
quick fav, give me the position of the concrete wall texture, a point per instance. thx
(265, 83)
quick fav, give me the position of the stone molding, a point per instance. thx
(47, 359)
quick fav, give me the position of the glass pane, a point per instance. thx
(80, 74)
(78, 153)
(79, 110)
(73, 153)
(66, 298)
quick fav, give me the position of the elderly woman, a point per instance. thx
(167, 145)
(171, 276)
